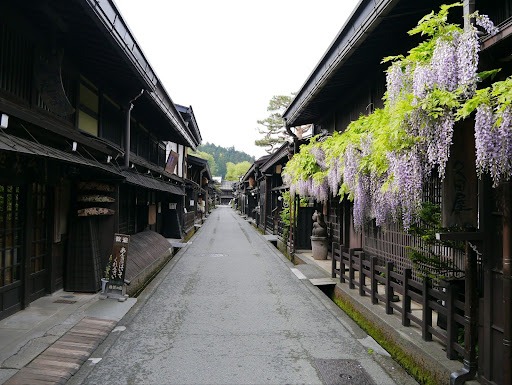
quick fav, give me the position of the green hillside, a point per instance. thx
(222, 155)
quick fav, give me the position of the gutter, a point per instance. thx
(105, 13)
(163, 100)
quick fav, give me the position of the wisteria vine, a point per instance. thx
(382, 160)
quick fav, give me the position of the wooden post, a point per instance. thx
(362, 279)
(470, 307)
(406, 299)
(374, 283)
(389, 289)
(427, 312)
(350, 269)
(451, 331)
(342, 267)
(335, 247)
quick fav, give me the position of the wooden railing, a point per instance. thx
(269, 224)
(398, 292)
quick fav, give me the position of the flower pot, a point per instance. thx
(319, 246)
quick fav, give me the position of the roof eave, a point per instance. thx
(106, 14)
(360, 22)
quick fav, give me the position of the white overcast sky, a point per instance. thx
(227, 58)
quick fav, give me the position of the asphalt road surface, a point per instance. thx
(228, 309)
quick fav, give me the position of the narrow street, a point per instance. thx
(228, 309)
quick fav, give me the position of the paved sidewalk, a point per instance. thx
(28, 337)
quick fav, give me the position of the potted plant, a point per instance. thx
(106, 275)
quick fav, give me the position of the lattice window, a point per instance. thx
(10, 235)
(15, 64)
(393, 243)
(39, 228)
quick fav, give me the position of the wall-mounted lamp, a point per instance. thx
(132, 166)
(74, 146)
(279, 198)
(109, 158)
(4, 121)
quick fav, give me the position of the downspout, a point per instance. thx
(127, 135)
(201, 192)
(471, 311)
(294, 137)
(507, 286)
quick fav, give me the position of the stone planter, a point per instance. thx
(319, 246)
(104, 283)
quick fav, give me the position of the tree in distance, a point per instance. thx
(222, 155)
(209, 157)
(272, 127)
(236, 170)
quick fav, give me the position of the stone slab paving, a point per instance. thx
(65, 356)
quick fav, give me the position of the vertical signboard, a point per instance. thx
(118, 264)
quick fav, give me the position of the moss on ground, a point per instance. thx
(404, 358)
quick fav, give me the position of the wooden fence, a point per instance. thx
(416, 302)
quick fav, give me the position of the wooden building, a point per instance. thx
(477, 300)
(91, 145)
(227, 189)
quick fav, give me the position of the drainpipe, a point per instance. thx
(294, 137)
(469, 371)
(507, 286)
(201, 192)
(127, 135)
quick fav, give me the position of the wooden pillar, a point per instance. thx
(469, 370)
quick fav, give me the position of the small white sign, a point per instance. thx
(4, 121)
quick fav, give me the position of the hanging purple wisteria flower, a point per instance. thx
(486, 23)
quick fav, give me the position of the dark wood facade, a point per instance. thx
(84, 153)
(349, 81)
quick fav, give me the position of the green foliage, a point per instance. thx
(272, 127)
(286, 213)
(427, 256)
(222, 155)
(235, 171)
(108, 267)
(498, 95)
(389, 130)
(209, 157)
(303, 165)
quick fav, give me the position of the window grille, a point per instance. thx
(16, 64)
(10, 235)
(39, 228)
